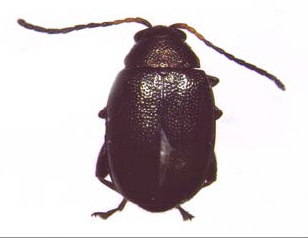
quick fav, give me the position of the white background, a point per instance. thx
(52, 86)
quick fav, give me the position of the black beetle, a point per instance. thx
(160, 119)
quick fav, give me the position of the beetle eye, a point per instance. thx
(139, 35)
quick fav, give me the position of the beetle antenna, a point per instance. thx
(278, 83)
(81, 27)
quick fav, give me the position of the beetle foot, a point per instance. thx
(186, 215)
(105, 215)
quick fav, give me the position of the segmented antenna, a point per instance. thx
(230, 56)
(148, 24)
(81, 27)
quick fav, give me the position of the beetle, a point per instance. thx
(160, 119)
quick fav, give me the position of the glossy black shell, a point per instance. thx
(160, 127)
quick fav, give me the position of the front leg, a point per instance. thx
(103, 113)
(212, 80)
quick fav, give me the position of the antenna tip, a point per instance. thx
(21, 21)
(280, 85)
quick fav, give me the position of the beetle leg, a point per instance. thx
(102, 160)
(217, 113)
(102, 168)
(105, 215)
(213, 80)
(211, 174)
(108, 184)
(101, 172)
(103, 113)
(186, 215)
(102, 164)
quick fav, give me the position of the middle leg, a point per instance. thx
(102, 170)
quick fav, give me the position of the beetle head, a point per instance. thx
(160, 32)
(161, 47)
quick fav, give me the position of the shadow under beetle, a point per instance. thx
(160, 119)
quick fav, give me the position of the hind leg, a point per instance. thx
(185, 214)
(102, 170)
(211, 176)
(105, 215)
(102, 166)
